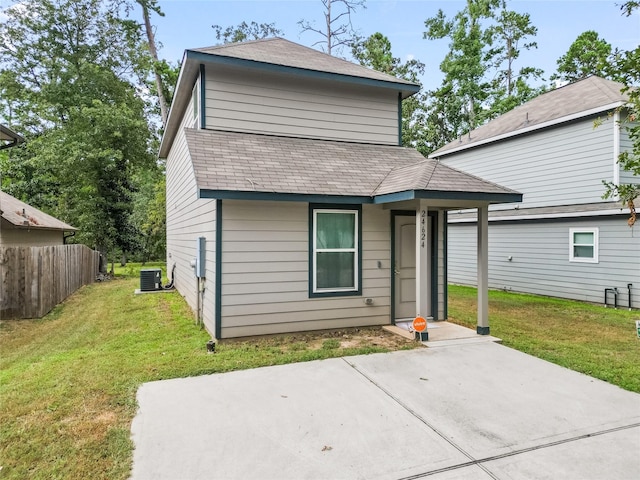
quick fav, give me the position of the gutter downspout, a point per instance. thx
(64, 237)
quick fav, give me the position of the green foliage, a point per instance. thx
(70, 73)
(588, 55)
(375, 52)
(246, 31)
(480, 80)
(626, 68)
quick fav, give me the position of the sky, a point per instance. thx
(188, 24)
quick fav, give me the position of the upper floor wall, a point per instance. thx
(563, 165)
(263, 102)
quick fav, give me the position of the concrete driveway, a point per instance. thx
(465, 410)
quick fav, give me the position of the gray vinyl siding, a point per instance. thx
(188, 218)
(265, 272)
(564, 165)
(270, 103)
(540, 259)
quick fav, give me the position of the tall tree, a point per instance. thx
(510, 87)
(480, 80)
(71, 70)
(627, 70)
(157, 66)
(588, 55)
(246, 31)
(464, 66)
(337, 30)
(375, 52)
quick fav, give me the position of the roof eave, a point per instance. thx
(480, 197)
(13, 137)
(407, 89)
(567, 118)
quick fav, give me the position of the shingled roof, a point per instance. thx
(23, 215)
(591, 96)
(247, 163)
(278, 51)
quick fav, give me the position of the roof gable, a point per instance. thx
(584, 98)
(23, 215)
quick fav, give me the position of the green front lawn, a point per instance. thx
(68, 381)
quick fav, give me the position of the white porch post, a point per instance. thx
(483, 270)
(423, 278)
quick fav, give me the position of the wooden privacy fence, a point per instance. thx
(33, 280)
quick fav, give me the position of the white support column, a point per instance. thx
(483, 270)
(423, 259)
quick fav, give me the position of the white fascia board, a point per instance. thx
(541, 216)
(532, 128)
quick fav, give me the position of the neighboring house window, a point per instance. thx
(335, 251)
(583, 245)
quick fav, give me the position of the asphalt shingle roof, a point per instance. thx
(593, 94)
(244, 162)
(22, 214)
(278, 51)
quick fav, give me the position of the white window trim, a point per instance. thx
(354, 250)
(596, 234)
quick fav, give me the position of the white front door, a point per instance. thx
(405, 267)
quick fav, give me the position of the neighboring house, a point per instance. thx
(563, 240)
(287, 190)
(22, 225)
(9, 138)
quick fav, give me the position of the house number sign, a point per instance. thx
(423, 229)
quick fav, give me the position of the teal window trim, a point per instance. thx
(337, 292)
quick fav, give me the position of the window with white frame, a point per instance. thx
(583, 245)
(335, 251)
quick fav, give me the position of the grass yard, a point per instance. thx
(68, 381)
(601, 342)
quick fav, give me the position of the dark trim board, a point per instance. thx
(214, 59)
(203, 98)
(359, 199)
(218, 285)
(284, 197)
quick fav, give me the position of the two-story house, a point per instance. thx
(291, 205)
(563, 240)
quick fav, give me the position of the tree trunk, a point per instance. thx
(164, 111)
